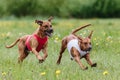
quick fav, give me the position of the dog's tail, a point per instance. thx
(76, 30)
(13, 44)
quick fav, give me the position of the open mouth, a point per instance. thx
(89, 49)
(49, 32)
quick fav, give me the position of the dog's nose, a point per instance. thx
(51, 30)
(89, 48)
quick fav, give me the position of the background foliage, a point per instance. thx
(61, 8)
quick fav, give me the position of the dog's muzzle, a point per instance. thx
(49, 32)
(89, 49)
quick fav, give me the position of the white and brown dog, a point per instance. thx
(78, 48)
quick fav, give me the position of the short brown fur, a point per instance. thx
(44, 25)
(84, 44)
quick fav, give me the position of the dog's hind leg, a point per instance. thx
(22, 56)
(22, 52)
(63, 47)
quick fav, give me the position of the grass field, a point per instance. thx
(105, 42)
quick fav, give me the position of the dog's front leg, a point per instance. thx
(37, 55)
(87, 57)
(77, 59)
(34, 43)
(76, 56)
(45, 54)
(44, 50)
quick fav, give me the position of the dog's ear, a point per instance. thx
(90, 35)
(50, 18)
(39, 22)
(80, 38)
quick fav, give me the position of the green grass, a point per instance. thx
(106, 51)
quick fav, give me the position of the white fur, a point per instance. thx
(74, 43)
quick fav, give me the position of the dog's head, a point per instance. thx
(45, 26)
(85, 43)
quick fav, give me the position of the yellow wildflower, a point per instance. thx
(4, 73)
(95, 39)
(3, 34)
(96, 43)
(8, 34)
(56, 38)
(42, 74)
(105, 73)
(57, 72)
(108, 38)
(111, 41)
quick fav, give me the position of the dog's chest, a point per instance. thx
(74, 43)
(41, 42)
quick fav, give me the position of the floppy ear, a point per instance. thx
(39, 22)
(90, 35)
(50, 18)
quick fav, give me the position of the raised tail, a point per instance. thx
(76, 30)
(13, 44)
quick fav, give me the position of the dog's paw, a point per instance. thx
(94, 65)
(71, 58)
(41, 61)
(85, 68)
(58, 62)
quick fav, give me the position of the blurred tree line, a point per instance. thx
(61, 8)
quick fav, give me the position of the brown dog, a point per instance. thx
(35, 42)
(78, 48)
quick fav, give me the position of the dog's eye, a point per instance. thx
(90, 43)
(50, 25)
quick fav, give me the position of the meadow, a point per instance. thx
(105, 42)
